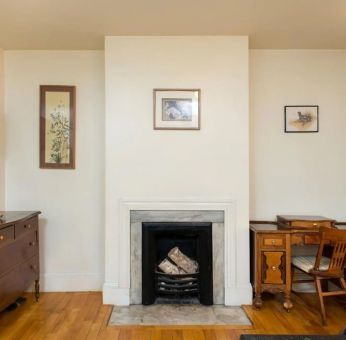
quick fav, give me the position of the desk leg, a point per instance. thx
(288, 305)
(257, 301)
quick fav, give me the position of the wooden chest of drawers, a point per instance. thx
(19, 254)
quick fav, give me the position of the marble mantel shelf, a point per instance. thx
(176, 216)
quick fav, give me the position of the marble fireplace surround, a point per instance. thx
(137, 217)
(116, 289)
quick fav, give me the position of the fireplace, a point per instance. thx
(231, 287)
(193, 239)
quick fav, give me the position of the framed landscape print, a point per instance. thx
(177, 109)
(302, 118)
(57, 126)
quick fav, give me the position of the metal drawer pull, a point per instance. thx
(273, 241)
(273, 268)
(2, 237)
(314, 224)
(27, 226)
(32, 244)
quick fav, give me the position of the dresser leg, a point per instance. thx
(288, 305)
(257, 302)
(37, 289)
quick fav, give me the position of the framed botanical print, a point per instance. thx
(57, 127)
(177, 109)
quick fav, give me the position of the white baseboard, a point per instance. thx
(113, 295)
(238, 295)
(70, 282)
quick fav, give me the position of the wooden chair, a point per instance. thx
(320, 267)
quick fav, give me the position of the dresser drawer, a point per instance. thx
(273, 241)
(311, 224)
(17, 252)
(26, 226)
(31, 270)
(6, 236)
(18, 280)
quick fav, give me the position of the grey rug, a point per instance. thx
(140, 315)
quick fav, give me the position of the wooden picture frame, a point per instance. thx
(57, 127)
(177, 109)
(301, 118)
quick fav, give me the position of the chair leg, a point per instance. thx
(292, 277)
(320, 296)
(343, 283)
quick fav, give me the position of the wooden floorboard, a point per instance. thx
(75, 316)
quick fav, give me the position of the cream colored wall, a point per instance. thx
(71, 201)
(301, 173)
(2, 133)
(144, 163)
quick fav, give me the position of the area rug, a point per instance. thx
(170, 315)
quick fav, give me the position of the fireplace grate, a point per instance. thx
(176, 284)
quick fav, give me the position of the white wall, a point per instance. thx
(297, 173)
(71, 201)
(2, 133)
(143, 163)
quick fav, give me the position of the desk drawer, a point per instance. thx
(273, 267)
(273, 241)
(312, 239)
(6, 236)
(299, 239)
(26, 226)
(311, 224)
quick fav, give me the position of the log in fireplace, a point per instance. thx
(177, 262)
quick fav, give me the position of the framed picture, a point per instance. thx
(177, 109)
(57, 126)
(302, 118)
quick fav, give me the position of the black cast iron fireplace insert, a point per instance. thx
(194, 239)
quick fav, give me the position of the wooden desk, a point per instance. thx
(270, 246)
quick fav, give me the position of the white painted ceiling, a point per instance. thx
(82, 24)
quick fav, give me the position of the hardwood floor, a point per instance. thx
(82, 316)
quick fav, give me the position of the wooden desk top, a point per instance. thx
(10, 217)
(268, 228)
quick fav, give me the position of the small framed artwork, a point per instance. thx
(177, 109)
(302, 118)
(57, 126)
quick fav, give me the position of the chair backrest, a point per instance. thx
(336, 240)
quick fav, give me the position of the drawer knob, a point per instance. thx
(2, 237)
(273, 241)
(33, 266)
(32, 244)
(274, 268)
(27, 226)
(314, 224)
